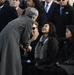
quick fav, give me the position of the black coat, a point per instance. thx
(50, 11)
(7, 14)
(67, 53)
(61, 21)
(51, 52)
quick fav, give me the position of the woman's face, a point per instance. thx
(34, 29)
(45, 29)
(30, 3)
(68, 34)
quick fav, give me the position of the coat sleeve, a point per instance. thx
(71, 16)
(26, 34)
(52, 49)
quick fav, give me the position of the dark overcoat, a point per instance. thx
(61, 21)
(10, 37)
(7, 14)
(50, 11)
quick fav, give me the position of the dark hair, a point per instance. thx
(71, 28)
(52, 32)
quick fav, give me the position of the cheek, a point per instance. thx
(47, 30)
(14, 3)
(36, 30)
(43, 30)
(17, 3)
(61, 3)
(68, 35)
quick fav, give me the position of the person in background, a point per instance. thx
(49, 6)
(63, 15)
(7, 14)
(67, 54)
(23, 4)
(15, 4)
(71, 2)
(16, 32)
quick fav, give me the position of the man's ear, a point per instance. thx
(33, 18)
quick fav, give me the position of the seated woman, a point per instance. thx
(45, 50)
(67, 54)
(33, 41)
(28, 56)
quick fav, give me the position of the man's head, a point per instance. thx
(62, 2)
(32, 13)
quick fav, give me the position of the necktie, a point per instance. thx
(61, 10)
(46, 7)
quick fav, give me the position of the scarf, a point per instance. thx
(41, 47)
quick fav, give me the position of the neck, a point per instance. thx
(45, 35)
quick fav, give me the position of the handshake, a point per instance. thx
(27, 48)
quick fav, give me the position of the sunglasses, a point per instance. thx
(33, 28)
(60, 0)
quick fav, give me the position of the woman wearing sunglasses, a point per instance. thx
(28, 57)
(35, 32)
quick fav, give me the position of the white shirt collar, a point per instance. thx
(17, 8)
(1, 6)
(49, 5)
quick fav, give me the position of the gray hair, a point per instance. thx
(31, 12)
